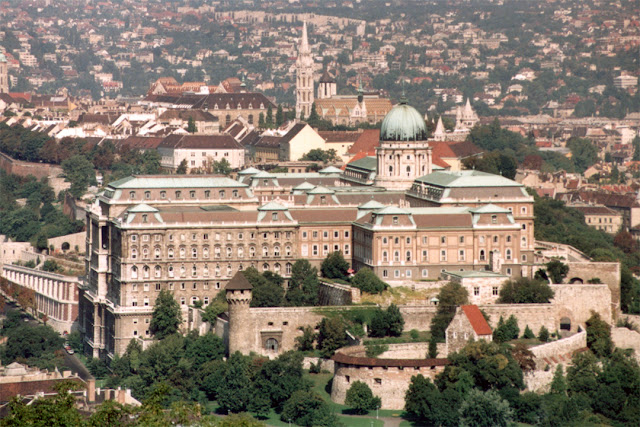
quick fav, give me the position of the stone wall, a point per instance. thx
(18, 167)
(626, 338)
(325, 364)
(337, 294)
(418, 316)
(388, 379)
(76, 239)
(577, 301)
(534, 315)
(561, 347)
(607, 272)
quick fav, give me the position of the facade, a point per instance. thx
(55, 295)
(304, 77)
(4, 74)
(468, 324)
(483, 287)
(601, 218)
(199, 151)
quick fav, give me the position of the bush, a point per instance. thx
(375, 350)
(528, 333)
(335, 266)
(361, 399)
(543, 335)
(367, 281)
(525, 291)
(387, 323)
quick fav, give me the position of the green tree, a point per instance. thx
(306, 408)
(485, 409)
(582, 377)
(303, 285)
(305, 341)
(278, 379)
(557, 270)
(267, 288)
(360, 398)
(222, 167)
(269, 118)
(334, 266)
(559, 384)
(525, 291)
(182, 167)
(543, 335)
(167, 316)
(583, 153)
(261, 123)
(320, 155)
(635, 143)
(279, 116)
(424, 402)
(433, 347)
(450, 296)
(367, 281)
(235, 391)
(79, 172)
(331, 336)
(191, 126)
(599, 335)
(528, 333)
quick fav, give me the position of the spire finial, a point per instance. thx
(403, 98)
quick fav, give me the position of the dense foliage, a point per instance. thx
(387, 322)
(525, 291)
(361, 399)
(367, 281)
(335, 266)
(167, 316)
(450, 296)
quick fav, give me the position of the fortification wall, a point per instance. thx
(75, 239)
(577, 301)
(626, 338)
(418, 316)
(565, 346)
(331, 294)
(21, 168)
(534, 315)
(388, 379)
(607, 272)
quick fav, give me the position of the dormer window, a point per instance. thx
(494, 219)
(274, 216)
(145, 218)
(215, 107)
(163, 194)
(178, 194)
(250, 107)
(228, 107)
(132, 195)
(147, 195)
(395, 220)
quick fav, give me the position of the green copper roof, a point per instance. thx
(304, 186)
(264, 174)
(330, 169)
(403, 123)
(490, 208)
(320, 190)
(371, 205)
(249, 171)
(369, 163)
(174, 182)
(467, 178)
(392, 210)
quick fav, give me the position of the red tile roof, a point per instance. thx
(477, 320)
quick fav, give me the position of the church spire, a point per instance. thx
(304, 45)
(304, 76)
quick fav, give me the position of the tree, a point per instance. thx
(267, 288)
(167, 316)
(424, 402)
(360, 398)
(191, 126)
(222, 167)
(235, 390)
(269, 118)
(625, 241)
(433, 347)
(320, 155)
(367, 281)
(335, 266)
(583, 153)
(79, 172)
(528, 333)
(279, 116)
(182, 167)
(450, 296)
(557, 270)
(599, 335)
(635, 143)
(395, 321)
(305, 341)
(303, 285)
(558, 384)
(485, 409)
(306, 408)
(331, 336)
(525, 291)
(543, 335)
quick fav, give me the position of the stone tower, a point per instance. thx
(4, 74)
(403, 154)
(466, 118)
(238, 293)
(304, 76)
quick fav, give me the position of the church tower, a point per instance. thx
(4, 74)
(327, 86)
(304, 76)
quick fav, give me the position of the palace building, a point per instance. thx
(190, 234)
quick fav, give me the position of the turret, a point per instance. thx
(238, 293)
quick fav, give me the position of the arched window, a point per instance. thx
(205, 270)
(229, 251)
(408, 256)
(134, 272)
(508, 238)
(170, 270)
(385, 256)
(276, 250)
(265, 251)
(194, 270)
(271, 344)
(183, 252)
(265, 267)
(287, 268)
(183, 270)
(145, 253)
(216, 251)
(156, 253)
(287, 250)
(482, 255)
(229, 270)
(194, 252)
(508, 254)
(217, 269)
(205, 252)
(134, 253)
(158, 271)
(146, 271)
(276, 268)
(252, 251)
(170, 252)
(396, 256)
(240, 251)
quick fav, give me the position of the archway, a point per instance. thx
(271, 344)
(565, 324)
(576, 280)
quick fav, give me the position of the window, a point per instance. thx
(462, 239)
(395, 220)
(288, 267)
(156, 253)
(216, 252)
(482, 255)
(396, 273)
(408, 240)
(146, 302)
(158, 287)
(205, 270)
(134, 253)
(163, 194)
(304, 234)
(147, 195)
(271, 344)
(347, 249)
(222, 194)
(170, 270)
(145, 253)
(205, 252)
(508, 254)
(385, 256)
(194, 270)
(315, 250)
(252, 251)
(425, 255)
(192, 194)
(495, 239)
(443, 240)
(132, 195)
(524, 242)
(315, 234)
(236, 194)
(408, 256)
(146, 272)
(325, 234)
(194, 252)
(145, 218)
(523, 210)
(134, 272)
(494, 219)
(178, 194)
(494, 291)
(240, 236)
(265, 251)
(509, 238)
(396, 256)
(206, 301)
(325, 249)
(443, 255)
(240, 252)
(378, 381)
(385, 240)
(276, 251)
(134, 303)
(481, 239)
(524, 258)
(425, 272)
(346, 234)
(408, 273)
(476, 290)
(207, 194)
(509, 272)
(183, 301)
(265, 267)
(287, 250)
(385, 273)
(158, 273)
(134, 237)
(461, 255)
(274, 216)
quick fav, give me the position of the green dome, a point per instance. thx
(403, 123)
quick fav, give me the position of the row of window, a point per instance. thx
(218, 236)
(182, 272)
(443, 255)
(443, 240)
(315, 234)
(425, 273)
(217, 252)
(315, 249)
(222, 194)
